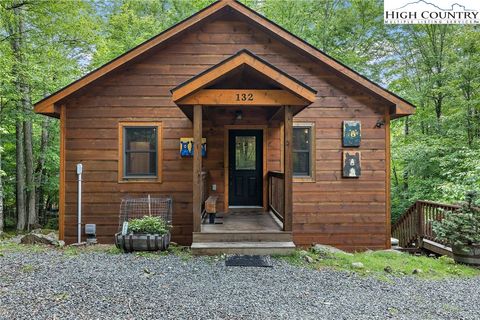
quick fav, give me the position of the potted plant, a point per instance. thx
(150, 233)
(461, 229)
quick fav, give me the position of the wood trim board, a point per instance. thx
(158, 178)
(62, 198)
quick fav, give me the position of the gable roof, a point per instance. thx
(244, 58)
(401, 107)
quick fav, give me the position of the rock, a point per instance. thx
(388, 269)
(432, 255)
(81, 244)
(390, 250)
(53, 235)
(394, 242)
(35, 238)
(60, 243)
(369, 251)
(357, 265)
(309, 259)
(417, 271)
(322, 248)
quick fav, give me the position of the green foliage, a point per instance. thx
(377, 263)
(52, 224)
(148, 224)
(460, 227)
(435, 153)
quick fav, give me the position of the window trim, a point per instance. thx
(311, 177)
(121, 152)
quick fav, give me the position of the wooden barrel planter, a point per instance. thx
(467, 255)
(142, 242)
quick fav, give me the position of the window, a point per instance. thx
(140, 151)
(304, 151)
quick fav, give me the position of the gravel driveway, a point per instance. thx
(53, 285)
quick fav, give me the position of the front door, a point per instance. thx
(245, 154)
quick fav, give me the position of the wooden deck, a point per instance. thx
(243, 221)
(243, 232)
(414, 228)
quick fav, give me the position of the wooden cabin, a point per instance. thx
(297, 144)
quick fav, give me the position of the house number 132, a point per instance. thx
(244, 96)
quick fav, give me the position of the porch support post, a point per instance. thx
(197, 166)
(288, 168)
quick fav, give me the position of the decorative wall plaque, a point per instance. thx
(352, 164)
(186, 147)
(352, 133)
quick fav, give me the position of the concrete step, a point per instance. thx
(242, 236)
(250, 248)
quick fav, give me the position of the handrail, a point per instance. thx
(417, 222)
(276, 189)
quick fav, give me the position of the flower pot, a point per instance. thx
(467, 254)
(142, 242)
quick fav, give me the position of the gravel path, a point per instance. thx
(53, 285)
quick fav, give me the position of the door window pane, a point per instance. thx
(301, 151)
(140, 151)
(245, 152)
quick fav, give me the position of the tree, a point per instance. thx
(47, 42)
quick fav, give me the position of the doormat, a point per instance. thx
(249, 261)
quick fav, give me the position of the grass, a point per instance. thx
(9, 246)
(382, 264)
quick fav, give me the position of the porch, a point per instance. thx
(243, 108)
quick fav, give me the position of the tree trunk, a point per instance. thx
(27, 133)
(395, 175)
(21, 209)
(2, 223)
(15, 28)
(40, 171)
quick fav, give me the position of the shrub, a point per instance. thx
(52, 224)
(460, 227)
(148, 224)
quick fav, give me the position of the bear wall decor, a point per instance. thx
(186, 147)
(352, 133)
(352, 164)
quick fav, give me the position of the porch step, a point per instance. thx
(250, 248)
(242, 236)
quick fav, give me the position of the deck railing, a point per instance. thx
(276, 193)
(417, 221)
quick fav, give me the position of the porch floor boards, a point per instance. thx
(243, 232)
(244, 221)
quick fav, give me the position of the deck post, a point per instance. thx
(421, 223)
(288, 168)
(197, 166)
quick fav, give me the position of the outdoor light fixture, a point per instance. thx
(380, 123)
(238, 115)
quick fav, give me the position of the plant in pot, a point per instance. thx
(461, 229)
(150, 233)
